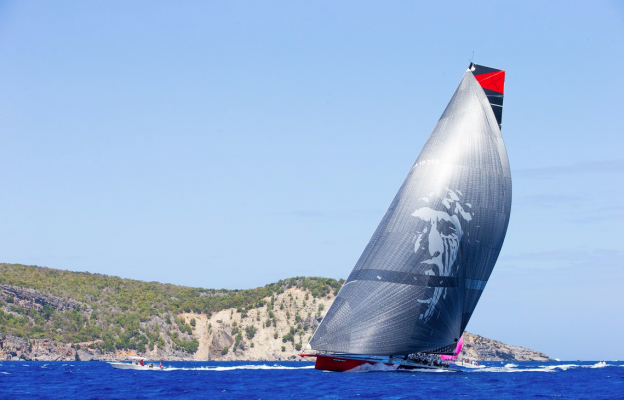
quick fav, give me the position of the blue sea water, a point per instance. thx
(299, 380)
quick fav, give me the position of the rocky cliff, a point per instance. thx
(276, 331)
(479, 348)
(53, 315)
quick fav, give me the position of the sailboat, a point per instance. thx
(416, 284)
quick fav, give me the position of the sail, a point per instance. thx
(420, 277)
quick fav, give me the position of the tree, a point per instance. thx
(250, 331)
(47, 311)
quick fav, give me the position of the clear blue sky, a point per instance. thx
(235, 143)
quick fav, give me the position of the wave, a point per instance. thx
(377, 367)
(381, 367)
(515, 368)
(508, 369)
(540, 368)
(233, 368)
(563, 367)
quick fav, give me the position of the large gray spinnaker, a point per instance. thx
(420, 277)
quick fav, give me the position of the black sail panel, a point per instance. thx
(493, 83)
(419, 278)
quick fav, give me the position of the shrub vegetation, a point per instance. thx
(121, 313)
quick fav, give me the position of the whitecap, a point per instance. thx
(376, 367)
(563, 367)
(382, 367)
(238, 367)
(513, 368)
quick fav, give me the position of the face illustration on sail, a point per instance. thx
(438, 235)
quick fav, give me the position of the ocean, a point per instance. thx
(299, 380)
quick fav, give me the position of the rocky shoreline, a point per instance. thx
(17, 349)
(228, 336)
(55, 315)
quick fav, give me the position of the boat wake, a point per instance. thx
(377, 367)
(234, 368)
(393, 368)
(541, 368)
(380, 367)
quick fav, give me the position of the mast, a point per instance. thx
(416, 284)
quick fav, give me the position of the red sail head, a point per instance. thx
(494, 81)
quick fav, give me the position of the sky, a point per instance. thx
(230, 144)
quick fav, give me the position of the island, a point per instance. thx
(56, 315)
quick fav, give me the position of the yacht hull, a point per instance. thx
(357, 363)
(121, 365)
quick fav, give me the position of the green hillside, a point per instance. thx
(109, 313)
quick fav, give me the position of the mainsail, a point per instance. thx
(420, 277)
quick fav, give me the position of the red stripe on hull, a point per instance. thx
(342, 364)
(338, 364)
